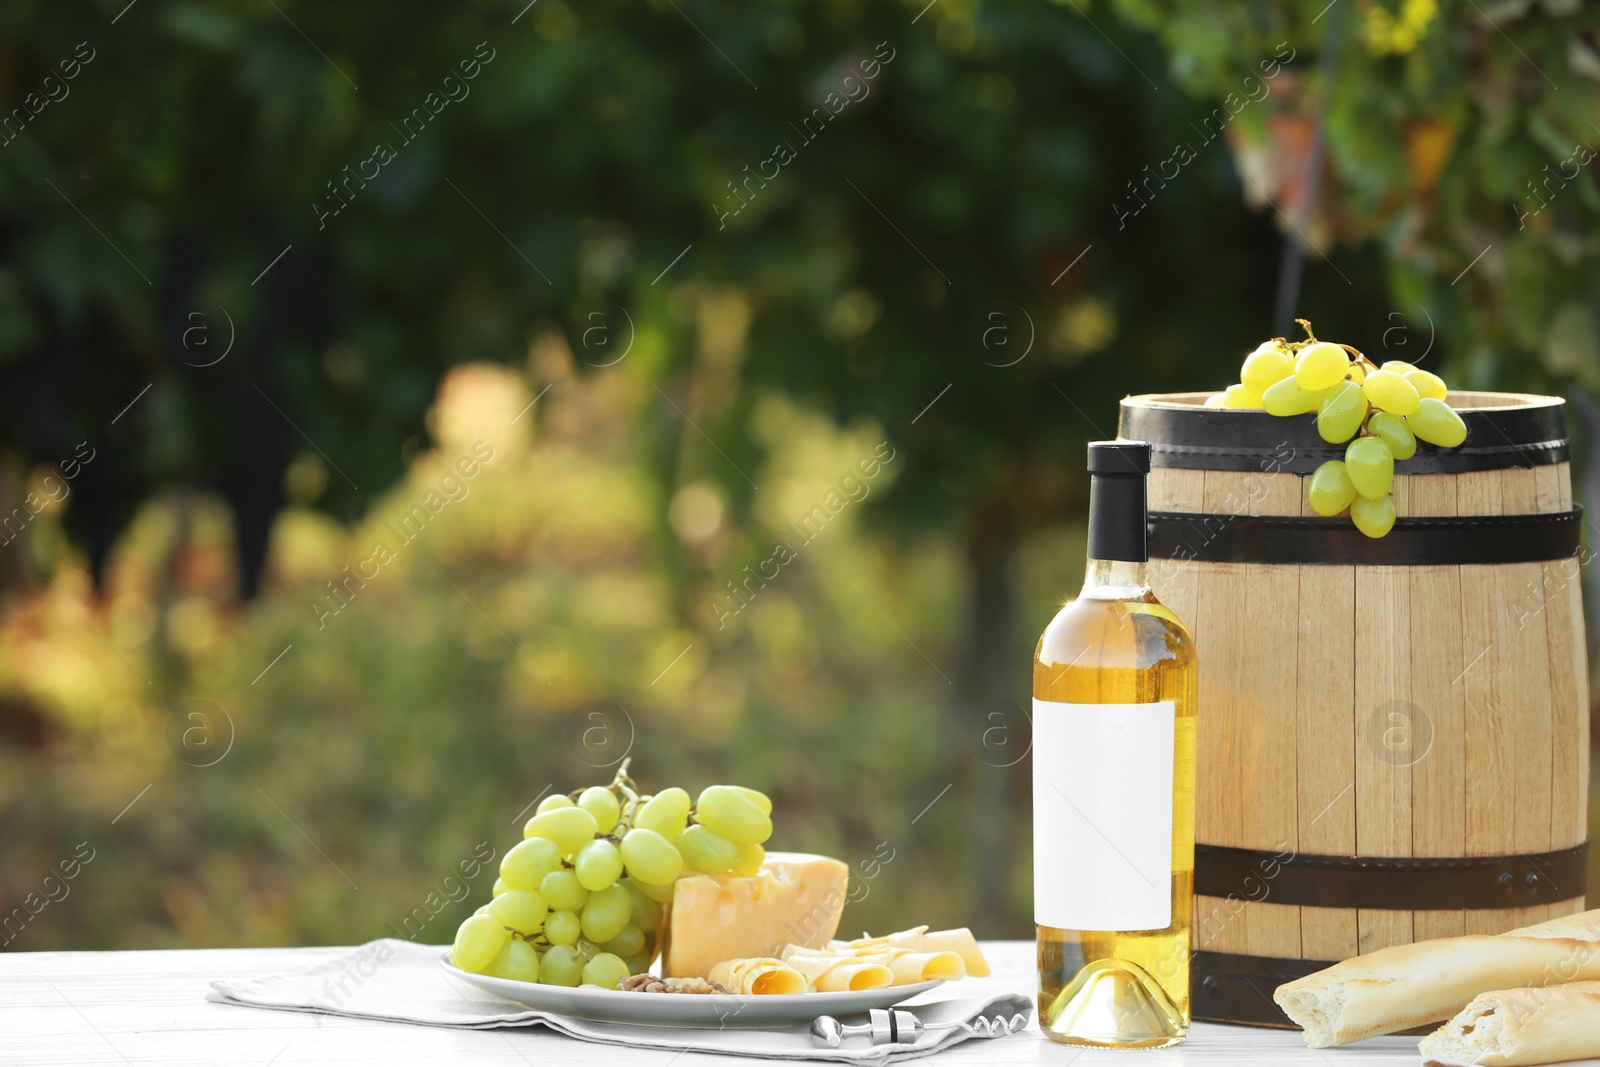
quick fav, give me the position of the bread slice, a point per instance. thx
(1520, 1028)
(1403, 986)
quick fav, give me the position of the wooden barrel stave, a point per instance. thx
(1285, 711)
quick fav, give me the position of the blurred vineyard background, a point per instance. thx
(669, 367)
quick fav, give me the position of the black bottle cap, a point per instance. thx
(1117, 500)
(1119, 457)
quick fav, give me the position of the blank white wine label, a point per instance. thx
(1102, 815)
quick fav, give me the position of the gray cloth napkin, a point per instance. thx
(400, 981)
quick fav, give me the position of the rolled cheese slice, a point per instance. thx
(765, 976)
(1521, 1028)
(838, 973)
(962, 943)
(909, 968)
(1403, 986)
(920, 939)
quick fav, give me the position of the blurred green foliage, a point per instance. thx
(1459, 138)
(543, 262)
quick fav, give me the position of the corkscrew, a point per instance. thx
(899, 1027)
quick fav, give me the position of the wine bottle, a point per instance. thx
(1113, 787)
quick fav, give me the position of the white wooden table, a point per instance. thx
(64, 1009)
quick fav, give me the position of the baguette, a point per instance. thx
(1520, 1028)
(1403, 986)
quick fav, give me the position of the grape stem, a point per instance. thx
(630, 804)
(1359, 355)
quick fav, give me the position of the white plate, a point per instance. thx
(687, 1010)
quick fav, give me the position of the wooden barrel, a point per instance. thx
(1393, 733)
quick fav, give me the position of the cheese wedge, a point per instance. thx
(796, 899)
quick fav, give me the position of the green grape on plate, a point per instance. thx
(605, 970)
(518, 961)
(606, 913)
(650, 857)
(598, 864)
(647, 911)
(628, 942)
(758, 798)
(521, 910)
(570, 828)
(528, 861)
(563, 927)
(707, 852)
(603, 804)
(661, 894)
(562, 891)
(666, 813)
(749, 860)
(478, 941)
(561, 966)
(732, 815)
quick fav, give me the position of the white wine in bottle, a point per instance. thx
(1113, 787)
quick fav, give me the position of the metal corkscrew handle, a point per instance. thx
(899, 1027)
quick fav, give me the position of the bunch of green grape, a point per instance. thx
(579, 900)
(1382, 412)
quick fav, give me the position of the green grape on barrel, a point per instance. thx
(1394, 432)
(1343, 410)
(1268, 365)
(1331, 489)
(1437, 423)
(1370, 465)
(1378, 412)
(1391, 392)
(1289, 397)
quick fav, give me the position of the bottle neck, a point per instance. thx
(1118, 579)
(1117, 518)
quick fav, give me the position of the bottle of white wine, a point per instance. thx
(1113, 787)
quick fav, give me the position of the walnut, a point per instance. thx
(649, 983)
